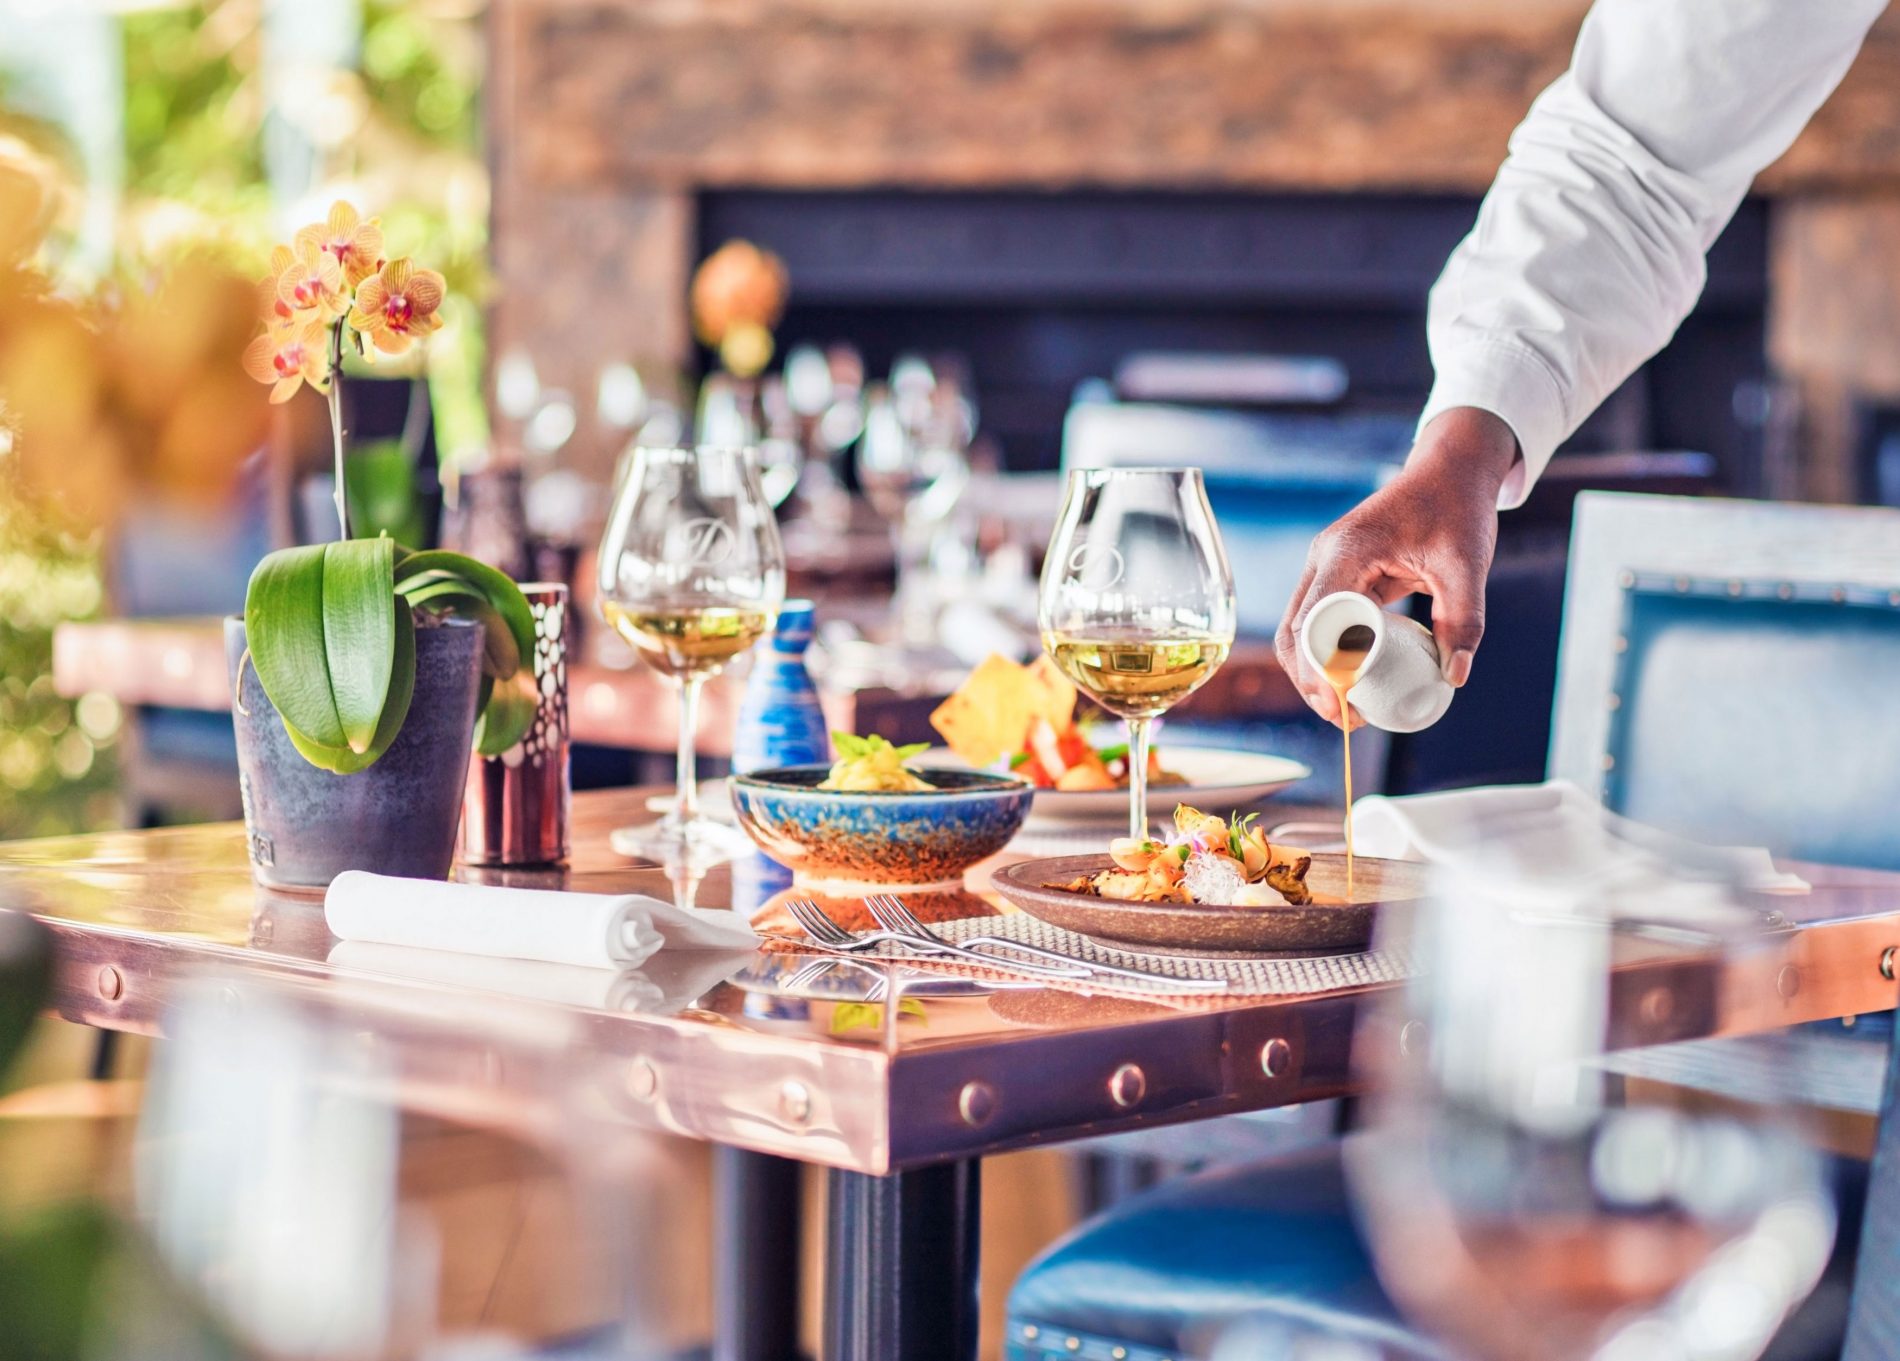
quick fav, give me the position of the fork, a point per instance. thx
(893, 916)
(826, 934)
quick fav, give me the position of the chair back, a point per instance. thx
(1274, 481)
(1727, 670)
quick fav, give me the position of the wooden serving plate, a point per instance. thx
(1329, 925)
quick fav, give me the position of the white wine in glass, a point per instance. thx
(1137, 599)
(691, 573)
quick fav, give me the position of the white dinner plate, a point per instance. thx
(1218, 781)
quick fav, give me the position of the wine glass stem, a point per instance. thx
(686, 773)
(1138, 735)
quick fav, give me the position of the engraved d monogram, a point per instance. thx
(704, 542)
(1096, 566)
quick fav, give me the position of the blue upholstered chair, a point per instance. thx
(1727, 670)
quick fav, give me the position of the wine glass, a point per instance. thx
(691, 573)
(1137, 599)
(1519, 1199)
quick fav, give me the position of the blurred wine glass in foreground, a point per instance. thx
(691, 572)
(1519, 1202)
(1137, 600)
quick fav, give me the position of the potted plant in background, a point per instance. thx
(363, 672)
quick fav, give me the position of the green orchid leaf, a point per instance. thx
(402, 688)
(508, 715)
(496, 587)
(359, 633)
(283, 626)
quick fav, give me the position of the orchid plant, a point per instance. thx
(330, 628)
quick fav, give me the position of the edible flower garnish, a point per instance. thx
(871, 765)
(1204, 859)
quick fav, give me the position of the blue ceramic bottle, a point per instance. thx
(780, 721)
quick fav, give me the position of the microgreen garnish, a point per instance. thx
(851, 747)
(1236, 829)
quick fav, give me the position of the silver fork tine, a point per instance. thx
(901, 919)
(817, 925)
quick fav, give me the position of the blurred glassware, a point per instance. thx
(517, 385)
(691, 572)
(781, 453)
(913, 468)
(1516, 1202)
(620, 400)
(284, 1174)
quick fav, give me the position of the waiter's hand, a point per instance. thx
(1432, 528)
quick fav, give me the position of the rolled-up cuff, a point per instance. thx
(1517, 387)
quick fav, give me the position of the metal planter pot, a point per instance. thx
(305, 826)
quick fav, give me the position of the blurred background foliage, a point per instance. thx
(396, 131)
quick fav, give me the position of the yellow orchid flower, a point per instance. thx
(398, 306)
(313, 283)
(356, 245)
(288, 356)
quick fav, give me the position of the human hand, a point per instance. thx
(1433, 528)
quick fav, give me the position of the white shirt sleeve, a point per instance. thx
(1588, 250)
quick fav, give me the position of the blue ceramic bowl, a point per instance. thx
(918, 840)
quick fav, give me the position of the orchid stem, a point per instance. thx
(336, 425)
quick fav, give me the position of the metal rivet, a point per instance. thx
(1734, 589)
(1626, 579)
(1609, 761)
(1658, 1005)
(642, 1080)
(1127, 1085)
(111, 983)
(1031, 1332)
(1619, 644)
(1614, 702)
(794, 1101)
(1411, 1038)
(1788, 981)
(1838, 596)
(1886, 961)
(1785, 590)
(1276, 1056)
(1074, 1344)
(1118, 1353)
(976, 1103)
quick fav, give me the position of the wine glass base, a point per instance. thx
(701, 841)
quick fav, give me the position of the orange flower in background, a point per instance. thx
(398, 306)
(313, 282)
(738, 296)
(288, 356)
(356, 245)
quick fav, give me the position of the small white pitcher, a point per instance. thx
(1401, 685)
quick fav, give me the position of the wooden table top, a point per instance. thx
(140, 914)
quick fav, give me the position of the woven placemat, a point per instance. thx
(1246, 977)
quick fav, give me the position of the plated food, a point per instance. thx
(1206, 860)
(1026, 714)
(1231, 893)
(871, 765)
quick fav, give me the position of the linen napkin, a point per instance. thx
(664, 985)
(1554, 831)
(592, 930)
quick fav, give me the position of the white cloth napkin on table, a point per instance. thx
(1553, 830)
(591, 930)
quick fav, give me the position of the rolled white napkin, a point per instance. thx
(592, 930)
(1552, 830)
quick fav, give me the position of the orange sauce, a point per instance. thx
(1342, 673)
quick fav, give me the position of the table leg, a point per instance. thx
(756, 1216)
(900, 1268)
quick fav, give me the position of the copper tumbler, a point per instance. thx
(515, 809)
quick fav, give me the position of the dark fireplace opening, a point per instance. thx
(1040, 292)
